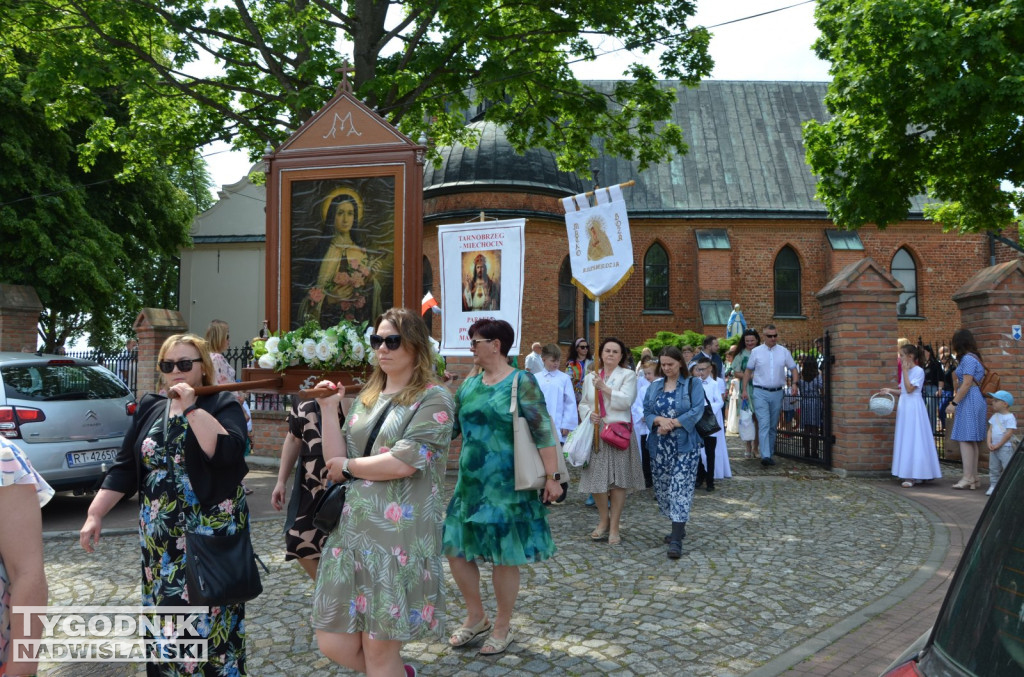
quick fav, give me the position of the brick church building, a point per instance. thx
(733, 221)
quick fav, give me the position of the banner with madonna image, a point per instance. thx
(600, 248)
(481, 277)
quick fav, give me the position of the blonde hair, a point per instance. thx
(217, 336)
(901, 342)
(415, 337)
(199, 344)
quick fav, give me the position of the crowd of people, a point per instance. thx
(378, 575)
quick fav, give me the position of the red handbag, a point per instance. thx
(616, 433)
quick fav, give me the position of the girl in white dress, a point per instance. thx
(722, 468)
(914, 457)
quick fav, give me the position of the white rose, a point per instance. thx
(271, 344)
(268, 361)
(323, 351)
(357, 351)
(309, 349)
(351, 337)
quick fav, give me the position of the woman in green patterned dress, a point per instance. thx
(487, 518)
(188, 474)
(380, 579)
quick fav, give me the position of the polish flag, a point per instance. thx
(427, 303)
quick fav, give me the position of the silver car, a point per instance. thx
(68, 415)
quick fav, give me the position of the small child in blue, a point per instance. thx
(1001, 428)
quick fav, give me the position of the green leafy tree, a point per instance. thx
(926, 97)
(420, 63)
(96, 242)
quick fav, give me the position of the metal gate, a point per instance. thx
(804, 429)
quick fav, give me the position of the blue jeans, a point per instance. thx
(767, 406)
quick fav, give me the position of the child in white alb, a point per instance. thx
(1001, 428)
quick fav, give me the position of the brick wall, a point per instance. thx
(19, 318)
(268, 431)
(743, 274)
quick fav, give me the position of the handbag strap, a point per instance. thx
(600, 396)
(376, 429)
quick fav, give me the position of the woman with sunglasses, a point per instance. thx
(578, 365)
(487, 518)
(184, 455)
(379, 583)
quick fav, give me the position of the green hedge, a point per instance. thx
(687, 338)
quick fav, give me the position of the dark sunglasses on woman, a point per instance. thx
(166, 366)
(392, 341)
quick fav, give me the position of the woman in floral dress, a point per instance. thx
(672, 408)
(487, 518)
(380, 580)
(188, 476)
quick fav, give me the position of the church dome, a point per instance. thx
(495, 165)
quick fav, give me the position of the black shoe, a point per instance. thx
(675, 550)
(711, 486)
(769, 461)
(764, 461)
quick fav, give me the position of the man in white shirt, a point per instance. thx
(767, 368)
(534, 362)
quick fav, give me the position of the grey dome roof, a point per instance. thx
(494, 164)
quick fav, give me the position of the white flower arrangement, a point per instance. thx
(344, 346)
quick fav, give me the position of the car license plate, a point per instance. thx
(79, 458)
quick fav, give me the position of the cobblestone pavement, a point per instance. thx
(772, 558)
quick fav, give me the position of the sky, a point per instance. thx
(749, 42)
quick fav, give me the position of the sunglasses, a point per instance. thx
(476, 342)
(166, 366)
(392, 341)
(771, 336)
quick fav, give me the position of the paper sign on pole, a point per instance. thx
(600, 248)
(481, 277)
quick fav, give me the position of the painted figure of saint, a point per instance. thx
(347, 285)
(600, 246)
(480, 291)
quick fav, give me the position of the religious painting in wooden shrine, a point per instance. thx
(342, 249)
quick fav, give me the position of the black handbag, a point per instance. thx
(330, 503)
(220, 569)
(707, 425)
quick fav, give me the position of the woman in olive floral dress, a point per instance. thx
(380, 580)
(185, 457)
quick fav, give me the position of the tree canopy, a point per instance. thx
(926, 97)
(421, 63)
(96, 242)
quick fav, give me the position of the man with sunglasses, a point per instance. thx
(767, 369)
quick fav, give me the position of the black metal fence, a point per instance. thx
(939, 384)
(124, 364)
(804, 428)
(242, 357)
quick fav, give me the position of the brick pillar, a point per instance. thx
(858, 308)
(19, 318)
(990, 303)
(152, 327)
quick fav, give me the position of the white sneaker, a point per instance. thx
(990, 489)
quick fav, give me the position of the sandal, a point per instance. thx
(907, 484)
(597, 535)
(494, 646)
(464, 635)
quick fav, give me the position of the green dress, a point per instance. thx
(380, 569)
(487, 517)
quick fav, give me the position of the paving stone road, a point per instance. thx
(772, 558)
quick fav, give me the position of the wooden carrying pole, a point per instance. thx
(265, 384)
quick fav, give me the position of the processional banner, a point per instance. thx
(481, 277)
(600, 248)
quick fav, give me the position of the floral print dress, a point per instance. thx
(380, 570)
(168, 504)
(487, 518)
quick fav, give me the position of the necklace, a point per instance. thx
(496, 378)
